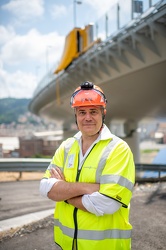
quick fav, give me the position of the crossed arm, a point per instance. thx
(71, 192)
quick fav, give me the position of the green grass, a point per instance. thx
(147, 151)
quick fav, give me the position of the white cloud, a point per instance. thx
(7, 33)
(24, 10)
(32, 46)
(29, 55)
(18, 84)
(58, 11)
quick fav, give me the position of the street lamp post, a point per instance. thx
(118, 16)
(75, 2)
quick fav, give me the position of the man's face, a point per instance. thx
(89, 119)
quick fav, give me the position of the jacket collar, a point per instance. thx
(104, 134)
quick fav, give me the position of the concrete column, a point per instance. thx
(69, 129)
(134, 142)
(132, 138)
(127, 130)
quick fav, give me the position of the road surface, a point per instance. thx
(148, 217)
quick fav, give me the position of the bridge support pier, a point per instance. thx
(132, 138)
(133, 142)
(127, 130)
(69, 129)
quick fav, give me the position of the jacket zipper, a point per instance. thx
(76, 209)
(75, 216)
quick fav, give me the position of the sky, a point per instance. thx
(32, 36)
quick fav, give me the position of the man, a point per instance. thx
(91, 178)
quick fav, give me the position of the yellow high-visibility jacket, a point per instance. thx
(110, 163)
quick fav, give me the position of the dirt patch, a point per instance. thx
(26, 229)
(14, 176)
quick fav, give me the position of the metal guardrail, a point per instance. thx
(21, 165)
(39, 165)
(159, 168)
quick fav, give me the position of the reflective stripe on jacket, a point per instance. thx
(110, 163)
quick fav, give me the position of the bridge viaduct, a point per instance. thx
(130, 67)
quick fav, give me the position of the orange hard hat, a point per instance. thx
(88, 94)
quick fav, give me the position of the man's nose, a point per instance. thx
(88, 116)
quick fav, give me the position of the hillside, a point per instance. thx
(15, 111)
(12, 108)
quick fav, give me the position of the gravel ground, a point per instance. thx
(148, 217)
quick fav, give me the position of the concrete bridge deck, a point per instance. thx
(130, 67)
